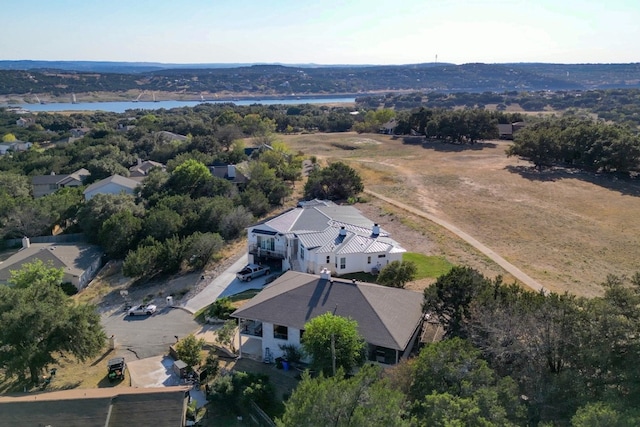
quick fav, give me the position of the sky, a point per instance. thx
(322, 31)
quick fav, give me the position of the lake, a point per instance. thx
(122, 106)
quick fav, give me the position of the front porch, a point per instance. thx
(252, 328)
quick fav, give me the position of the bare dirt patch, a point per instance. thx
(568, 230)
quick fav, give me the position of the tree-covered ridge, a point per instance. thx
(619, 105)
(278, 79)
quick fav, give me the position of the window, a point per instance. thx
(368, 260)
(301, 252)
(343, 263)
(328, 259)
(382, 256)
(267, 243)
(280, 332)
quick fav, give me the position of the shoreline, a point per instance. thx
(93, 97)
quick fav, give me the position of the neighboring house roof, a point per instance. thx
(143, 168)
(61, 179)
(122, 181)
(103, 407)
(228, 172)
(505, 129)
(387, 317)
(75, 258)
(171, 136)
(78, 175)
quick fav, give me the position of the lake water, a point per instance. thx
(122, 106)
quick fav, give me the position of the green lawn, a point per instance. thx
(428, 266)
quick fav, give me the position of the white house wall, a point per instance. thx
(273, 344)
(354, 262)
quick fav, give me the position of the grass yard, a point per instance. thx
(71, 373)
(428, 266)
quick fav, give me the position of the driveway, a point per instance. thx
(145, 336)
(225, 284)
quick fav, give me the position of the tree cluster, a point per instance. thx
(337, 181)
(578, 143)
(564, 352)
(39, 322)
(459, 126)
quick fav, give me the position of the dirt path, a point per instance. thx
(512, 269)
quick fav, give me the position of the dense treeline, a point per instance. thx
(567, 354)
(578, 143)
(619, 105)
(460, 126)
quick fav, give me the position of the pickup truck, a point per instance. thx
(252, 271)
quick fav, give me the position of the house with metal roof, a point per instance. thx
(389, 319)
(321, 235)
(80, 261)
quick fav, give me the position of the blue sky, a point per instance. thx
(322, 32)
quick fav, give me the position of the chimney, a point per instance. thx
(139, 161)
(231, 171)
(375, 231)
(26, 242)
(343, 231)
(325, 274)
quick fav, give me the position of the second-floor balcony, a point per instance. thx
(256, 250)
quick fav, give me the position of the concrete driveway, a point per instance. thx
(145, 336)
(225, 284)
(158, 372)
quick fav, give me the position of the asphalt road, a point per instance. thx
(145, 336)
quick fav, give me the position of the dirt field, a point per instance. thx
(566, 229)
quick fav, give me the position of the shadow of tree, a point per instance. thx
(101, 358)
(622, 184)
(444, 146)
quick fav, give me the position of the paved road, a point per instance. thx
(512, 269)
(146, 336)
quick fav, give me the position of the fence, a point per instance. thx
(259, 417)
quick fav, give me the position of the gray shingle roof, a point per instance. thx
(386, 317)
(116, 179)
(75, 258)
(111, 407)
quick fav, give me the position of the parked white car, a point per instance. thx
(142, 310)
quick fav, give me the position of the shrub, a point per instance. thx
(221, 308)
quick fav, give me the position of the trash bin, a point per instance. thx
(285, 365)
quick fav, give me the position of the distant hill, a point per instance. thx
(65, 77)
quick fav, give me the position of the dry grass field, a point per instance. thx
(566, 229)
